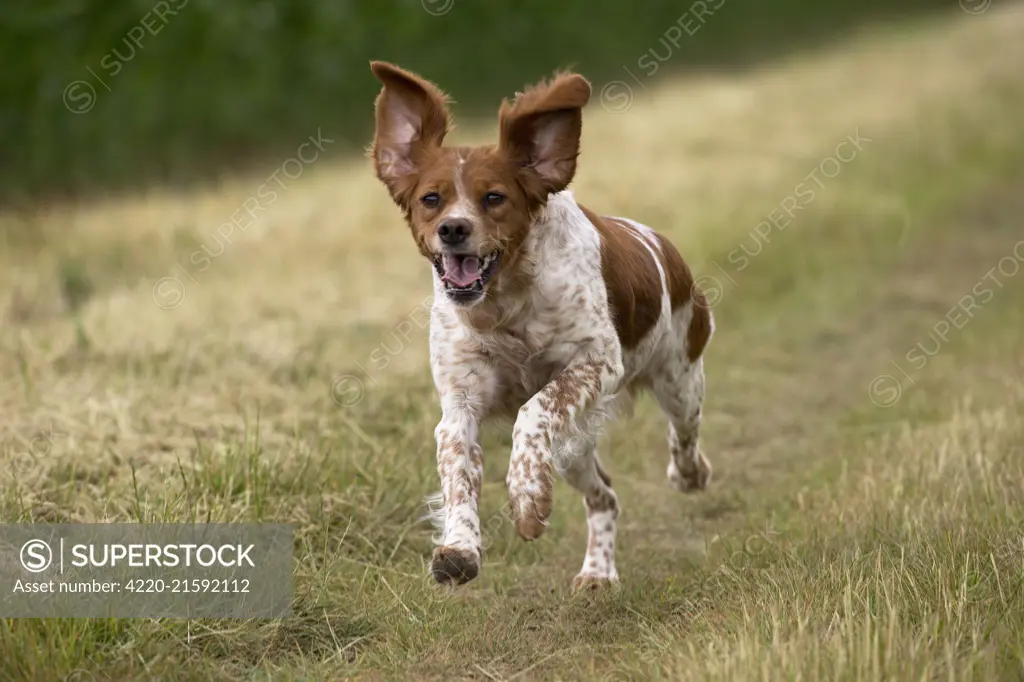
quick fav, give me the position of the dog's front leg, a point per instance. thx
(548, 416)
(461, 467)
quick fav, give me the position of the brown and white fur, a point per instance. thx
(542, 311)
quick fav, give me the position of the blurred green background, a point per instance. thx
(102, 95)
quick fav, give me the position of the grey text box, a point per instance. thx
(124, 570)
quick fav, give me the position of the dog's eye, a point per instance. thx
(494, 198)
(431, 200)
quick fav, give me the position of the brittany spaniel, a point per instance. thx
(543, 311)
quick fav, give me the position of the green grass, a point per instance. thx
(840, 539)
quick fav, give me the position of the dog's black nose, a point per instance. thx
(454, 231)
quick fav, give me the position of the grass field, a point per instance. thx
(863, 419)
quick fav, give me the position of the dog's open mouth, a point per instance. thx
(464, 275)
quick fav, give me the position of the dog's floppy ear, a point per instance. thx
(412, 119)
(540, 131)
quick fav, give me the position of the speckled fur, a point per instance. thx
(543, 344)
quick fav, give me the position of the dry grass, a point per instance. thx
(842, 540)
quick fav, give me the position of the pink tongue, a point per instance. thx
(462, 270)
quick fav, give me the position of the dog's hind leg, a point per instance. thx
(579, 466)
(679, 390)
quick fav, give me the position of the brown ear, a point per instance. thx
(412, 119)
(541, 129)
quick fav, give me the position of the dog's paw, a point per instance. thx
(696, 476)
(589, 582)
(453, 566)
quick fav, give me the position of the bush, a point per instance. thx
(107, 93)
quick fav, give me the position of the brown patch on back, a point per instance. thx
(681, 289)
(634, 285)
(631, 277)
(677, 273)
(700, 326)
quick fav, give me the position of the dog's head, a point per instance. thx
(470, 208)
